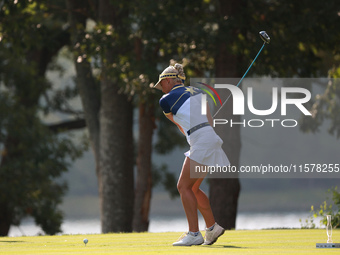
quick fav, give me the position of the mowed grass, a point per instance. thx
(282, 241)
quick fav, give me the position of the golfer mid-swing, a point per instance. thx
(182, 105)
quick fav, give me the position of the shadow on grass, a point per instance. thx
(219, 246)
(12, 242)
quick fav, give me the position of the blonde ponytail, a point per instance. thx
(181, 74)
(175, 72)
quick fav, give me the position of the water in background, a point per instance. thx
(246, 221)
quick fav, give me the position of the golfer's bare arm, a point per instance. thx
(170, 116)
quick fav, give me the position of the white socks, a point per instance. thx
(194, 233)
(212, 227)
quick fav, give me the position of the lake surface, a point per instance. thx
(247, 221)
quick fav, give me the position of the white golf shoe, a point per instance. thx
(211, 236)
(187, 240)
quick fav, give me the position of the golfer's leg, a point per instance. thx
(184, 186)
(203, 204)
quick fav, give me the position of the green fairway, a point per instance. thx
(285, 241)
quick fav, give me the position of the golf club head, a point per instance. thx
(265, 37)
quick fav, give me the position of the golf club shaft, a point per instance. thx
(241, 78)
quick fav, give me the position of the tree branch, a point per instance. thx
(67, 125)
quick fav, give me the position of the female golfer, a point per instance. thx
(182, 105)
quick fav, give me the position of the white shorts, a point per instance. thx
(205, 148)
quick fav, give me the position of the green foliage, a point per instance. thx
(324, 210)
(32, 157)
(308, 223)
(325, 107)
(32, 161)
(299, 39)
(302, 32)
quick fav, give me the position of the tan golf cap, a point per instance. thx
(169, 72)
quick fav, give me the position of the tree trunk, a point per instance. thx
(6, 211)
(116, 160)
(5, 220)
(144, 178)
(90, 97)
(224, 193)
(89, 91)
(116, 139)
(108, 116)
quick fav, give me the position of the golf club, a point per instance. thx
(266, 40)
